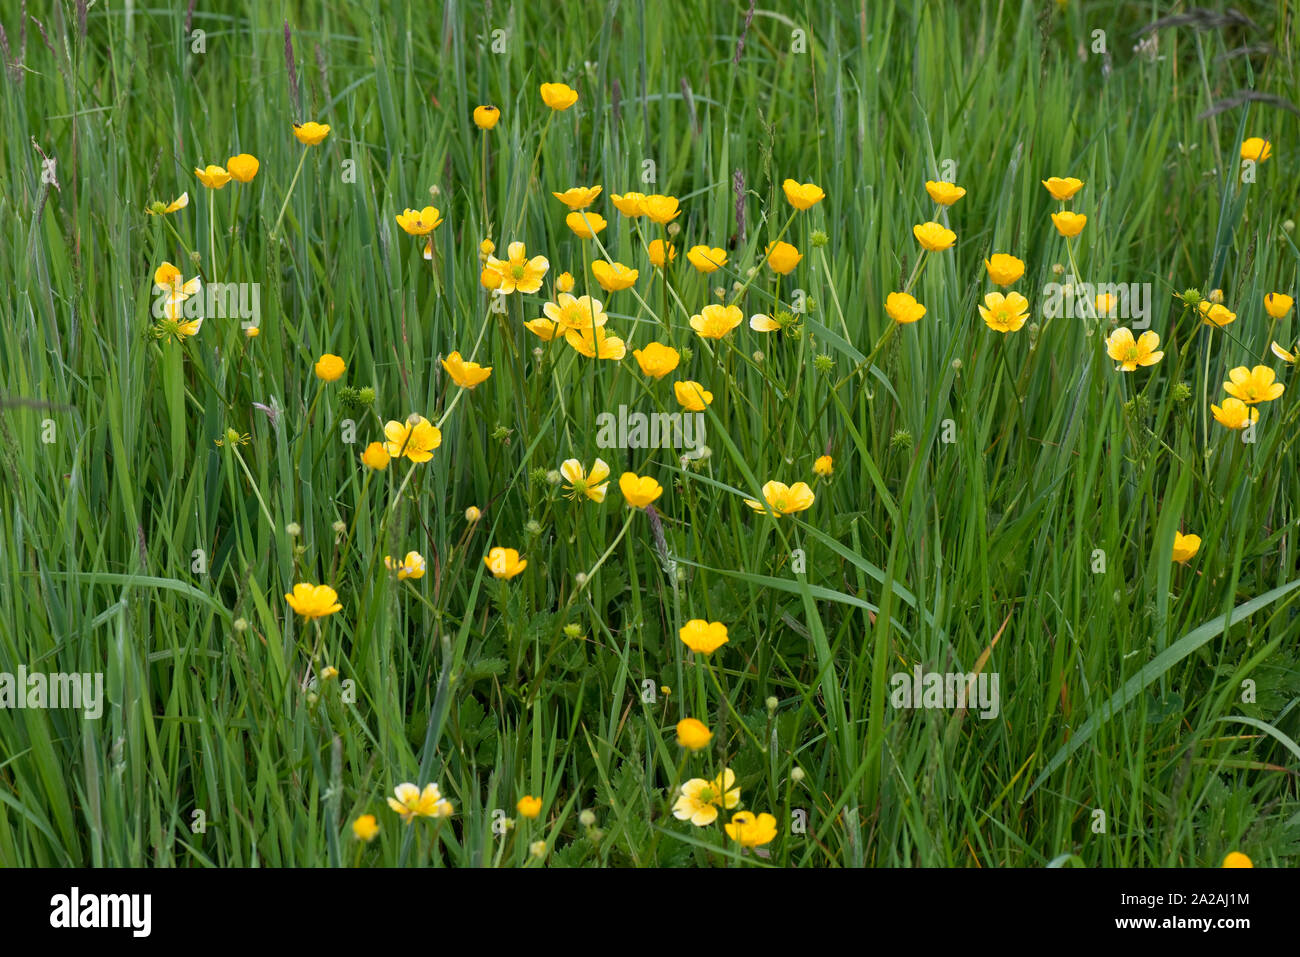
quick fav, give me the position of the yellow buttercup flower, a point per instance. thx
(592, 484)
(1288, 357)
(705, 258)
(411, 802)
(376, 457)
(419, 222)
(330, 368)
(504, 562)
(312, 133)
(1234, 414)
(543, 329)
(1216, 314)
(944, 193)
(655, 250)
(212, 176)
(1253, 386)
(167, 278)
(1004, 313)
(1131, 353)
(159, 209)
(472, 514)
(313, 601)
(595, 344)
(613, 276)
(656, 359)
(692, 396)
(802, 195)
(559, 96)
(782, 257)
(585, 224)
(412, 566)
(1237, 859)
(824, 466)
(703, 636)
(564, 282)
(660, 209)
(1106, 305)
(571, 312)
(365, 828)
(416, 438)
(517, 273)
(639, 490)
(243, 167)
(715, 320)
(486, 117)
(1278, 304)
(529, 806)
(750, 831)
(693, 734)
(934, 237)
(784, 499)
(902, 308)
(1062, 188)
(1185, 546)
(1068, 223)
(700, 799)
(465, 374)
(578, 197)
(629, 204)
(1256, 148)
(1004, 269)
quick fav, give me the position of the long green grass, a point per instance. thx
(1001, 503)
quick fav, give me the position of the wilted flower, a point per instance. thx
(160, 209)
(412, 566)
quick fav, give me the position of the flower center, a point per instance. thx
(517, 271)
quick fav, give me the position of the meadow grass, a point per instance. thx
(1001, 503)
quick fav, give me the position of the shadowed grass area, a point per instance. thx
(1001, 504)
